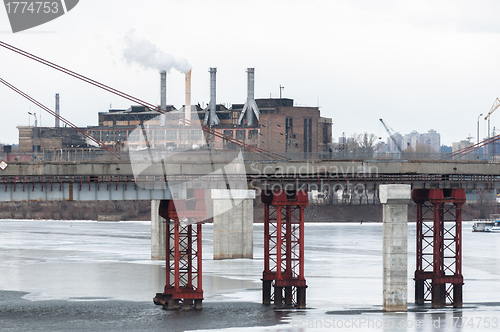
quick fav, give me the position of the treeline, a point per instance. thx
(141, 210)
(77, 210)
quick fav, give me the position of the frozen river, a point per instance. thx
(95, 276)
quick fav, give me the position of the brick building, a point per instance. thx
(300, 132)
(49, 138)
(282, 128)
(295, 130)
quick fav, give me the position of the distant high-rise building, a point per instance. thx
(391, 147)
(433, 140)
(414, 140)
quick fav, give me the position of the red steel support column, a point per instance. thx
(177, 256)
(419, 278)
(425, 244)
(301, 290)
(438, 287)
(447, 279)
(270, 248)
(458, 284)
(444, 237)
(288, 255)
(301, 244)
(266, 278)
(288, 271)
(278, 290)
(198, 302)
(184, 246)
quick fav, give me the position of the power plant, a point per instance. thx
(273, 124)
(269, 123)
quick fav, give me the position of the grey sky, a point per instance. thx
(419, 65)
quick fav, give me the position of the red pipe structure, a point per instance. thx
(284, 248)
(183, 252)
(439, 247)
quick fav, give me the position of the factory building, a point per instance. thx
(272, 124)
(281, 128)
(49, 138)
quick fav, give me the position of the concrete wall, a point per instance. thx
(233, 229)
(158, 232)
(395, 199)
(196, 165)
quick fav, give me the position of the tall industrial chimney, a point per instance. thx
(163, 97)
(251, 85)
(250, 109)
(187, 108)
(57, 111)
(211, 117)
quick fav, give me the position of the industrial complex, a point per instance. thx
(272, 124)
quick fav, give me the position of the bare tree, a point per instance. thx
(353, 144)
(359, 145)
(366, 143)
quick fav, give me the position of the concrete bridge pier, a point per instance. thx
(395, 199)
(233, 228)
(158, 231)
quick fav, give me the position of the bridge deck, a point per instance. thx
(115, 180)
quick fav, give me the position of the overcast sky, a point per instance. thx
(419, 65)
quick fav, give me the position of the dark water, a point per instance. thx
(17, 314)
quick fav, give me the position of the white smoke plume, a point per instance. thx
(148, 55)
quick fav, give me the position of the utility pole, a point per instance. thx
(480, 115)
(477, 152)
(244, 136)
(493, 150)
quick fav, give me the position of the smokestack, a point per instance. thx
(250, 93)
(210, 113)
(213, 93)
(251, 82)
(57, 111)
(163, 97)
(250, 109)
(187, 108)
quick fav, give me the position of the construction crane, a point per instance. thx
(496, 104)
(391, 135)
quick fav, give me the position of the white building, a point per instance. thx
(461, 145)
(391, 147)
(431, 139)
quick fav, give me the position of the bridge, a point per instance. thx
(115, 180)
(437, 187)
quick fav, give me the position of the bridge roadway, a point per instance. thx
(115, 180)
